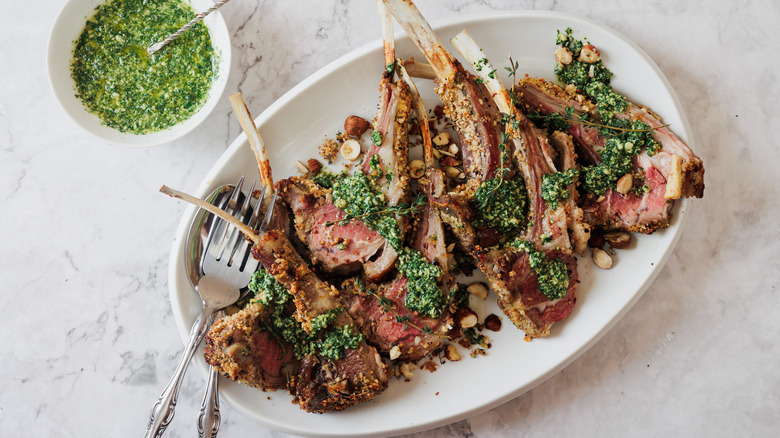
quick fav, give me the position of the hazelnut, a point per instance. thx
(416, 169)
(441, 138)
(563, 56)
(314, 165)
(493, 322)
(625, 183)
(453, 149)
(618, 239)
(395, 352)
(589, 54)
(355, 126)
(601, 258)
(406, 370)
(436, 153)
(300, 167)
(465, 318)
(453, 172)
(350, 150)
(451, 353)
(478, 290)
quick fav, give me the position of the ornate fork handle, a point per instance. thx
(210, 419)
(163, 411)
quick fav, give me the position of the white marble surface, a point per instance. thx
(88, 335)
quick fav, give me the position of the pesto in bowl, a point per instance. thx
(130, 90)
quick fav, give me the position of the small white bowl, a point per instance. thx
(67, 28)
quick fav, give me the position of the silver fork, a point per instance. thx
(209, 418)
(227, 268)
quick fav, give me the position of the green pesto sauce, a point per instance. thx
(129, 90)
(361, 197)
(621, 145)
(423, 294)
(329, 342)
(555, 187)
(501, 205)
(552, 275)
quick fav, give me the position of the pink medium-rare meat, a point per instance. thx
(339, 248)
(240, 350)
(673, 171)
(380, 309)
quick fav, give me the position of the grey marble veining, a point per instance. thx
(89, 337)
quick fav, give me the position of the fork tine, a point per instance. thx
(235, 241)
(268, 213)
(216, 223)
(228, 232)
(256, 215)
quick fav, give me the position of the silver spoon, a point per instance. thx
(157, 46)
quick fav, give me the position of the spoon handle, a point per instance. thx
(157, 46)
(163, 411)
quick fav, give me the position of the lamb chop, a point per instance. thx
(508, 269)
(326, 382)
(643, 202)
(535, 276)
(466, 102)
(340, 246)
(380, 309)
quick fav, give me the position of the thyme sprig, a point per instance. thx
(402, 209)
(557, 121)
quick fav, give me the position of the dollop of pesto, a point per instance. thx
(501, 205)
(129, 90)
(624, 139)
(555, 187)
(360, 197)
(552, 275)
(579, 73)
(618, 155)
(325, 340)
(422, 290)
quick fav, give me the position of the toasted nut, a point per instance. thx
(314, 165)
(300, 167)
(450, 261)
(429, 366)
(406, 370)
(453, 148)
(478, 290)
(451, 247)
(589, 54)
(453, 172)
(625, 183)
(493, 322)
(454, 333)
(441, 138)
(596, 239)
(601, 258)
(618, 239)
(436, 153)
(465, 317)
(350, 150)
(461, 175)
(563, 56)
(416, 169)
(395, 352)
(355, 125)
(451, 353)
